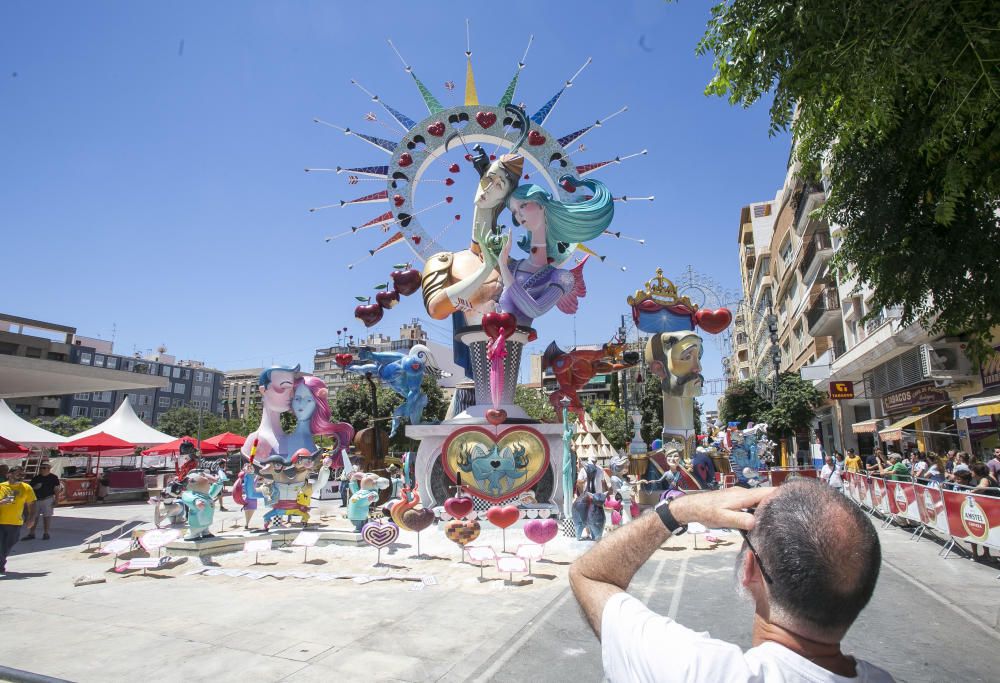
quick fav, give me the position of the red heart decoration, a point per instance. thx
(405, 159)
(449, 181)
(493, 157)
(343, 359)
(493, 322)
(436, 129)
(496, 416)
(535, 138)
(454, 168)
(449, 199)
(416, 239)
(567, 186)
(468, 157)
(503, 517)
(458, 507)
(398, 200)
(715, 321)
(541, 531)
(486, 118)
(458, 216)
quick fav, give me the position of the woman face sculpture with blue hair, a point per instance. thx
(534, 285)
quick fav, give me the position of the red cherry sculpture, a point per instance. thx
(387, 298)
(407, 281)
(369, 314)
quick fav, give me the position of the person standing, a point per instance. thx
(16, 498)
(853, 461)
(45, 485)
(993, 464)
(593, 484)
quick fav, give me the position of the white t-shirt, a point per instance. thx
(639, 645)
(598, 479)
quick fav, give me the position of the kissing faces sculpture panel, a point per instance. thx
(495, 467)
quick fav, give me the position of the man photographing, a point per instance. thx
(809, 563)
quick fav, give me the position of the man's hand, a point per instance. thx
(720, 509)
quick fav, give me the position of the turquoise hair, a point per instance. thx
(566, 225)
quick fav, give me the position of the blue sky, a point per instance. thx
(152, 159)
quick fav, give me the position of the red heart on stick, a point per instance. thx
(496, 416)
(486, 118)
(503, 517)
(436, 129)
(493, 322)
(715, 321)
(458, 507)
(343, 359)
(405, 159)
(535, 138)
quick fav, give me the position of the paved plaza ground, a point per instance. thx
(931, 619)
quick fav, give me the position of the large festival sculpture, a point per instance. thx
(534, 213)
(673, 353)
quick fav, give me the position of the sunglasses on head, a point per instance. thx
(746, 538)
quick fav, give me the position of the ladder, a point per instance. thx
(32, 464)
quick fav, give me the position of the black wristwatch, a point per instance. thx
(673, 526)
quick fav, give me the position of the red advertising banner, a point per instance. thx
(902, 500)
(879, 494)
(973, 518)
(930, 503)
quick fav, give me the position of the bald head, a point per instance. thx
(823, 554)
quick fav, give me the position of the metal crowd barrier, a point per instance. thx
(950, 513)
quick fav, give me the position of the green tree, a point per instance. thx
(251, 419)
(613, 421)
(535, 403)
(899, 104)
(651, 407)
(795, 409)
(742, 404)
(64, 425)
(183, 421)
(616, 393)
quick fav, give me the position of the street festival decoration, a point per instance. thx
(404, 374)
(199, 498)
(493, 289)
(574, 369)
(673, 354)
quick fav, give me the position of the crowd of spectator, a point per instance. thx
(955, 470)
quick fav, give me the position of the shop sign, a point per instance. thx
(990, 371)
(914, 397)
(841, 390)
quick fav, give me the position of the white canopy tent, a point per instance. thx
(125, 424)
(19, 430)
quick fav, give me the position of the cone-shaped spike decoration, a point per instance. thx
(369, 198)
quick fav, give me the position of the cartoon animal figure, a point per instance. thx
(169, 505)
(202, 488)
(574, 369)
(496, 472)
(403, 373)
(364, 492)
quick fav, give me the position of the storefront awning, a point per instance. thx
(979, 405)
(866, 427)
(894, 432)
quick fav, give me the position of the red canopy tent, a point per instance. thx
(9, 449)
(225, 441)
(101, 444)
(174, 447)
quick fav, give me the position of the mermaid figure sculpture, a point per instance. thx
(532, 286)
(403, 373)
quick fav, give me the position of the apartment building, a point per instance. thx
(239, 392)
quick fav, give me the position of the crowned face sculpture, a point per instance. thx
(675, 357)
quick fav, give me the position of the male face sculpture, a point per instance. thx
(675, 357)
(277, 395)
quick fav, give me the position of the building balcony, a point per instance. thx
(808, 198)
(823, 316)
(818, 251)
(749, 257)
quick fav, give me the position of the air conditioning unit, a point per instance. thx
(946, 360)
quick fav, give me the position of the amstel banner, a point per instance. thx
(930, 502)
(973, 518)
(902, 500)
